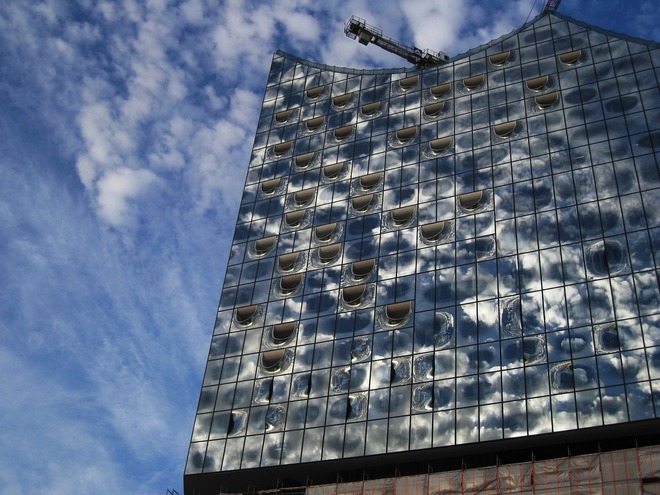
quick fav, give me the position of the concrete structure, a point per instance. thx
(441, 269)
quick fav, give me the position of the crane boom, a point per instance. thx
(357, 28)
(551, 6)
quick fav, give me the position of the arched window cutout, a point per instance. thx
(244, 315)
(370, 108)
(396, 313)
(315, 123)
(286, 262)
(408, 82)
(546, 100)
(570, 58)
(283, 116)
(341, 100)
(406, 134)
(434, 232)
(343, 132)
(353, 295)
(282, 333)
(361, 203)
(314, 93)
(303, 197)
(441, 144)
(269, 186)
(329, 253)
(471, 201)
(262, 246)
(282, 148)
(505, 129)
(302, 161)
(290, 283)
(402, 215)
(441, 90)
(271, 360)
(434, 109)
(293, 218)
(333, 171)
(474, 82)
(370, 181)
(324, 232)
(362, 269)
(538, 83)
(500, 58)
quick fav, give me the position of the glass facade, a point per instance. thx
(442, 257)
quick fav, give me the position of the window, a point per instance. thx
(472, 83)
(441, 144)
(340, 101)
(354, 295)
(271, 360)
(283, 116)
(324, 232)
(333, 171)
(408, 82)
(269, 186)
(401, 216)
(398, 312)
(327, 254)
(245, 315)
(361, 203)
(343, 132)
(290, 283)
(471, 201)
(282, 148)
(570, 58)
(370, 108)
(434, 109)
(500, 58)
(304, 197)
(282, 333)
(293, 218)
(362, 269)
(302, 161)
(404, 135)
(538, 83)
(505, 129)
(263, 246)
(435, 232)
(441, 90)
(314, 93)
(286, 262)
(546, 100)
(370, 181)
(315, 123)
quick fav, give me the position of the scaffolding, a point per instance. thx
(622, 472)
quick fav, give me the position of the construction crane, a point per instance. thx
(551, 6)
(357, 28)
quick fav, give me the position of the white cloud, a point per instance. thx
(119, 186)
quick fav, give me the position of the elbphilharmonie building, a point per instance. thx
(445, 280)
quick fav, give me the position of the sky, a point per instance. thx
(125, 133)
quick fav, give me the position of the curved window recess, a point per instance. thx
(370, 108)
(283, 116)
(290, 283)
(328, 254)
(401, 216)
(408, 82)
(441, 90)
(505, 129)
(362, 269)
(314, 93)
(293, 218)
(281, 148)
(324, 232)
(302, 161)
(471, 201)
(406, 134)
(370, 181)
(472, 83)
(500, 58)
(315, 123)
(435, 232)
(272, 360)
(245, 315)
(287, 262)
(361, 203)
(546, 100)
(354, 295)
(398, 312)
(538, 83)
(236, 423)
(341, 100)
(282, 333)
(301, 198)
(570, 58)
(333, 171)
(269, 186)
(434, 109)
(263, 246)
(343, 132)
(441, 144)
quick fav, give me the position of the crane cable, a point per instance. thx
(530, 11)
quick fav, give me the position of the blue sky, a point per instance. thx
(125, 131)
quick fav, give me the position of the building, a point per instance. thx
(439, 270)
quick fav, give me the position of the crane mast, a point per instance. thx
(357, 28)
